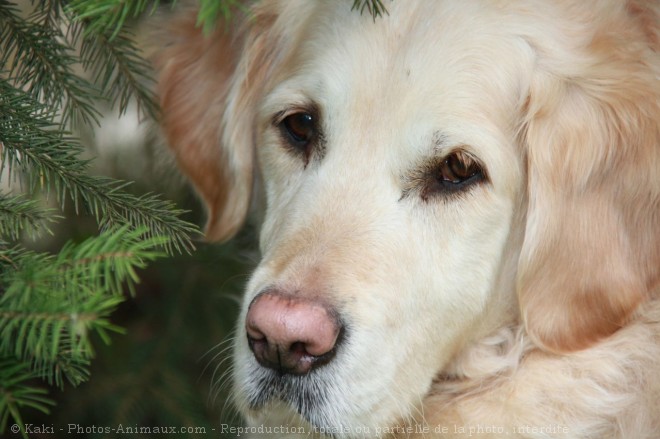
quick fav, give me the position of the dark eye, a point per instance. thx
(299, 130)
(454, 174)
(458, 169)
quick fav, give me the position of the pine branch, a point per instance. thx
(48, 158)
(19, 213)
(116, 66)
(108, 264)
(161, 217)
(26, 123)
(211, 10)
(108, 17)
(52, 304)
(38, 60)
(17, 392)
(50, 12)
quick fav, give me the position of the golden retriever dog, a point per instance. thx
(459, 206)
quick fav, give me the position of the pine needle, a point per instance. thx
(376, 8)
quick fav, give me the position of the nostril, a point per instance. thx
(291, 334)
(259, 348)
(299, 348)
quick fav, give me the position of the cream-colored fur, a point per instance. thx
(524, 305)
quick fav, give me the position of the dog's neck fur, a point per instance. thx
(505, 381)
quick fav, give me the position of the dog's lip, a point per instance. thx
(303, 393)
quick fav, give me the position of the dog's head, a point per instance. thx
(427, 177)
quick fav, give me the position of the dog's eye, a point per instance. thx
(299, 130)
(454, 174)
(459, 168)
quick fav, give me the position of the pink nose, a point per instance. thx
(291, 334)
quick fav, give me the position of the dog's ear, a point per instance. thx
(591, 253)
(208, 86)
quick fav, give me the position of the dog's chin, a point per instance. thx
(306, 397)
(312, 402)
(306, 394)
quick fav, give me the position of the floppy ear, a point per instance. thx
(591, 253)
(208, 87)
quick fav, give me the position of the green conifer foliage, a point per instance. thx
(52, 304)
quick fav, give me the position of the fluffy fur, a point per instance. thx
(523, 306)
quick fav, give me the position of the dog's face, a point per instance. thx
(391, 191)
(413, 169)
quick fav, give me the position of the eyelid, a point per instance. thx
(466, 154)
(279, 116)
